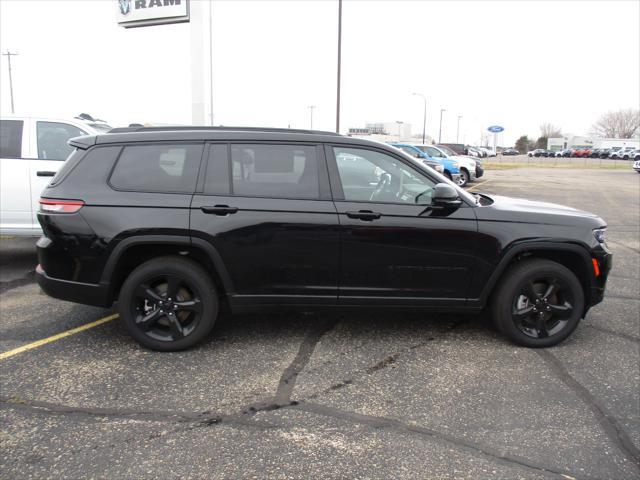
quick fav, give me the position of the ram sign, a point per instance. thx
(142, 13)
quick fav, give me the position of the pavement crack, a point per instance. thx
(289, 376)
(610, 425)
(394, 424)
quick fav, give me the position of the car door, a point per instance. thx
(266, 210)
(50, 150)
(395, 247)
(15, 190)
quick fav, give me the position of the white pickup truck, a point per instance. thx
(31, 152)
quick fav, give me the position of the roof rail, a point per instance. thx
(169, 128)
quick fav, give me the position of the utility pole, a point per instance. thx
(458, 130)
(440, 130)
(339, 62)
(211, 62)
(424, 117)
(9, 55)
(399, 122)
(311, 107)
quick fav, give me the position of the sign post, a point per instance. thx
(495, 129)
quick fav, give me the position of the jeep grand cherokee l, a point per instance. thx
(172, 223)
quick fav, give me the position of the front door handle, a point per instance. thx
(42, 173)
(219, 210)
(366, 215)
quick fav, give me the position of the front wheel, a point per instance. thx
(538, 303)
(168, 304)
(464, 178)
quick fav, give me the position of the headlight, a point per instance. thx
(600, 234)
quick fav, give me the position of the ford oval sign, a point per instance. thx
(495, 129)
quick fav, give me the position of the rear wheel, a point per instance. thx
(168, 304)
(538, 303)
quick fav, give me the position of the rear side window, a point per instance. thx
(11, 138)
(68, 165)
(157, 168)
(53, 137)
(277, 171)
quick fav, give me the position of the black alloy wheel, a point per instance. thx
(166, 308)
(538, 303)
(168, 303)
(543, 307)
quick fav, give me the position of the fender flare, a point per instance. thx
(517, 249)
(178, 240)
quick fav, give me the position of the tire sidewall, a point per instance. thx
(186, 269)
(512, 285)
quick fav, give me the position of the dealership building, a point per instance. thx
(574, 141)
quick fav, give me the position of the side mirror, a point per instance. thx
(444, 195)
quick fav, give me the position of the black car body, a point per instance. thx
(296, 219)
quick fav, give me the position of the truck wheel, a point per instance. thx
(168, 304)
(464, 178)
(538, 303)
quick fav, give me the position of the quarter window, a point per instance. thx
(53, 137)
(11, 138)
(157, 168)
(370, 176)
(278, 171)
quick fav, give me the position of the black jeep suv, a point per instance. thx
(172, 223)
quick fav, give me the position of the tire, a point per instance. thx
(464, 177)
(168, 304)
(553, 316)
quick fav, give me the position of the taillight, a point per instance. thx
(60, 206)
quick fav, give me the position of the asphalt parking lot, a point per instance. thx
(376, 395)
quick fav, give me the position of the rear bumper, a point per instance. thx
(85, 293)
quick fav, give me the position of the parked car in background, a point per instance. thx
(468, 165)
(32, 150)
(451, 168)
(510, 151)
(437, 166)
(624, 153)
(490, 152)
(538, 152)
(458, 148)
(566, 152)
(636, 154)
(636, 164)
(175, 225)
(474, 152)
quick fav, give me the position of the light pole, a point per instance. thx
(399, 129)
(424, 116)
(458, 130)
(311, 107)
(440, 130)
(9, 55)
(339, 62)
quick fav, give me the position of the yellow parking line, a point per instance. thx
(58, 336)
(477, 185)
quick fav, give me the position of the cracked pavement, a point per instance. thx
(345, 395)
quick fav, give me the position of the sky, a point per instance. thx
(516, 64)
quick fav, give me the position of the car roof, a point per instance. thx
(235, 134)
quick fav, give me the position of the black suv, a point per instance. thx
(174, 223)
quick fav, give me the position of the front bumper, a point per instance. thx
(605, 262)
(85, 293)
(479, 170)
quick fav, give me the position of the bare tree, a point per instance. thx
(548, 130)
(618, 124)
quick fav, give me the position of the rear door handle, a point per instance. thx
(219, 210)
(43, 173)
(367, 215)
